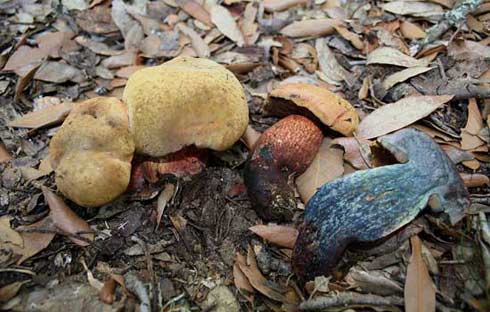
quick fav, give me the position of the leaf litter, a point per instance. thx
(382, 58)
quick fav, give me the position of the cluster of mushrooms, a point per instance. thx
(193, 102)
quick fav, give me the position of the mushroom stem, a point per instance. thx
(287, 148)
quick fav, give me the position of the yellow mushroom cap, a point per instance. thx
(92, 151)
(183, 102)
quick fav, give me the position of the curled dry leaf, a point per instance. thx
(311, 28)
(327, 165)
(475, 179)
(66, 220)
(9, 291)
(281, 5)
(391, 56)
(226, 24)
(332, 72)
(281, 235)
(9, 236)
(248, 26)
(163, 199)
(350, 36)
(257, 280)
(469, 134)
(420, 293)
(391, 117)
(96, 47)
(403, 75)
(46, 116)
(354, 154)
(331, 109)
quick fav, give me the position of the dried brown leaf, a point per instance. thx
(106, 294)
(332, 72)
(4, 154)
(121, 60)
(353, 152)
(23, 56)
(163, 199)
(414, 8)
(66, 220)
(248, 26)
(9, 291)
(198, 44)
(52, 43)
(311, 28)
(350, 36)
(475, 179)
(240, 280)
(469, 134)
(403, 75)
(250, 137)
(257, 280)
(411, 31)
(127, 71)
(58, 72)
(36, 237)
(327, 165)
(420, 293)
(281, 235)
(97, 20)
(8, 236)
(195, 10)
(226, 24)
(47, 116)
(402, 113)
(391, 56)
(96, 47)
(281, 5)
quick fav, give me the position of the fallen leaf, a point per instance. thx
(163, 199)
(226, 24)
(472, 164)
(281, 235)
(332, 110)
(248, 26)
(36, 237)
(198, 44)
(420, 293)
(467, 49)
(475, 179)
(66, 220)
(97, 20)
(250, 137)
(332, 71)
(327, 165)
(53, 42)
(9, 291)
(106, 293)
(354, 153)
(404, 112)
(257, 280)
(24, 55)
(178, 222)
(403, 75)
(96, 47)
(469, 134)
(9, 236)
(412, 31)
(195, 10)
(47, 116)
(414, 8)
(4, 154)
(311, 28)
(24, 80)
(127, 71)
(281, 5)
(121, 60)
(58, 72)
(350, 36)
(391, 56)
(457, 155)
(240, 280)
(121, 17)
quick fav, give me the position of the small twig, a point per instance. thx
(24, 271)
(172, 301)
(346, 299)
(149, 266)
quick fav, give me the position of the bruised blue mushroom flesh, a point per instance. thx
(368, 205)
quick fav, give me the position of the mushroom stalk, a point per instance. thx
(287, 148)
